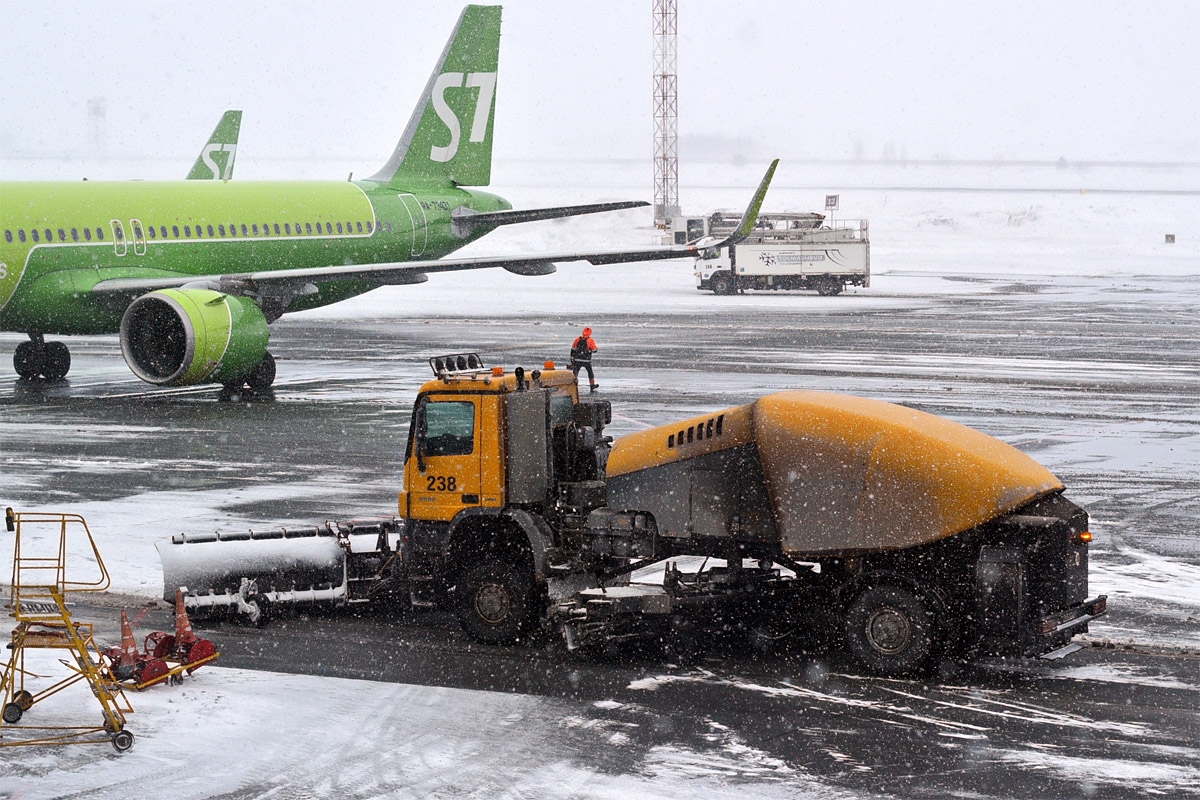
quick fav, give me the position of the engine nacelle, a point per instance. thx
(182, 337)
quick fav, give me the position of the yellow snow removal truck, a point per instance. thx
(923, 538)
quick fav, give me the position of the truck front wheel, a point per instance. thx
(890, 630)
(720, 283)
(495, 601)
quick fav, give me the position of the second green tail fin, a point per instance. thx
(215, 162)
(449, 137)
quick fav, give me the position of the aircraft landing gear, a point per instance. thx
(254, 386)
(37, 357)
(263, 376)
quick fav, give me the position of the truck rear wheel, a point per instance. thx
(890, 630)
(829, 286)
(495, 601)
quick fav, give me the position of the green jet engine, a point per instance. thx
(183, 337)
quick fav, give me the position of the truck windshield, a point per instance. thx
(449, 428)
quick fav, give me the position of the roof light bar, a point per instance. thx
(456, 363)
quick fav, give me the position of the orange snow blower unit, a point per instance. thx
(127, 665)
(184, 649)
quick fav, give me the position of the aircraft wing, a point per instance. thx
(463, 223)
(407, 272)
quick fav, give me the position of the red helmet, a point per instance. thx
(587, 331)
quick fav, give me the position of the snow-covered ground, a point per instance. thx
(937, 233)
(229, 733)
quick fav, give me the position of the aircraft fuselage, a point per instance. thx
(59, 239)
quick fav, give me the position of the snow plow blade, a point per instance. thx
(250, 571)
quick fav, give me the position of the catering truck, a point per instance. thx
(783, 251)
(921, 538)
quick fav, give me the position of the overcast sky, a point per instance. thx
(1083, 80)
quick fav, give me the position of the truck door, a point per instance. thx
(443, 473)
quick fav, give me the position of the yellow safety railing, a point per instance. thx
(38, 602)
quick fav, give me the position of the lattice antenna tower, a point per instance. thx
(666, 112)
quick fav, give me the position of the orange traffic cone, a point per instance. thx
(129, 651)
(189, 648)
(183, 626)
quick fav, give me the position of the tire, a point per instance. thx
(56, 361)
(13, 713)
(24, 699)
(495, 601)
(828, 287)
(27, 360)
(263, 375)
(720, 284)
(890, 630)
(682, 644)
(231, 391)
(122, 740)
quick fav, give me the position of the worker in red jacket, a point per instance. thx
(581, 356)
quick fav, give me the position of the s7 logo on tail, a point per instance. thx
(206, 156)
(486, 83)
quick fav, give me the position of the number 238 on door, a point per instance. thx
(441, 483)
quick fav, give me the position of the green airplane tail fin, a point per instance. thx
(215, 162)
(449, 137)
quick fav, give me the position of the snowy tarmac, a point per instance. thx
(1060, 323)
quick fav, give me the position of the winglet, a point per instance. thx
(751, 216)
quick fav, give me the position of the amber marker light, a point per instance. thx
(548, 365)
(497, 371)
(1086, 536)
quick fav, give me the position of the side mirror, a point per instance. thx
(419, 440)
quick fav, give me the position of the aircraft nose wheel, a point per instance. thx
(51, 360)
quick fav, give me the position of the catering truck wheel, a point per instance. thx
(721, 283)
(890, 630)
(495, 601)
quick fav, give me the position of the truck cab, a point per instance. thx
(495, 461)
(458, 445)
